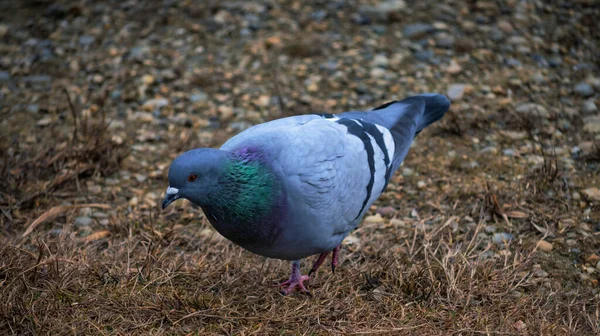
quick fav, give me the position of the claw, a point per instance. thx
(296, 281)
(292, 285)
(334, 259)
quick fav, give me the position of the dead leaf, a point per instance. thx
(542, 230)
(520, 325)
(96, 236)
(517, 214)
(57, 211)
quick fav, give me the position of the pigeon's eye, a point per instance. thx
(192, 178)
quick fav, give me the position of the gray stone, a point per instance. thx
(456, 91)
(589, 106)
(55, 232)
(583, 149)
(417, 29)
(83, 221)
(238, 126)
(37, 79)
(592, 124)
(444, 40)
(538, 78)
(377, 72)
(198, 97)
(380, 60)
(3, 30)
(379, 29)
(489, 149)
(533, 110)
(517, 40)
(4, 76)
(584, 89)
(496, 34)
(116, 94)
(424, 55)
(33, 108)
(156, 103)
(100, 214)
(594, 81)
(489, 229)
(502, 238)
(139, 52)
(86, 40)
(555, 61)
(384, 11)
(513, 62)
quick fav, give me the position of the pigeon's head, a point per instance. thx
(195, 174)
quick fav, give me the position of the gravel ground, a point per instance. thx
(491, 226)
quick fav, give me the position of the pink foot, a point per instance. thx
(292, 285)
(296, 281)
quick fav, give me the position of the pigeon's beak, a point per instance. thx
(170, 197)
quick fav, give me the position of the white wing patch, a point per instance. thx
(389, 142)
(380, 171)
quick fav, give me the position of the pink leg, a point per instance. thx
(296, 280)
(318, 263)
(334, 259)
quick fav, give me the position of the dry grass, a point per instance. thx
(55, 157)
(145, 272)
(148, 275)
(429, 271)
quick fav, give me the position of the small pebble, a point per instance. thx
(374, 219)
(584, 89)
(55, 232)
(4, 76)
(83, 221)
(509, 152)
(457, 91)
(490, 228)
(387, 211)
(533, 109)
(589, 107)
(592, 259)
(544, 246)
(407, 172)
(593, 194)
(502, 238)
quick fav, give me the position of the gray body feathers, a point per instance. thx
(333, 167)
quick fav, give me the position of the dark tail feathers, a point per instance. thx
(407, 118)
(435, 106)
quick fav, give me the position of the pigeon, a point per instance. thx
(297, 186)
